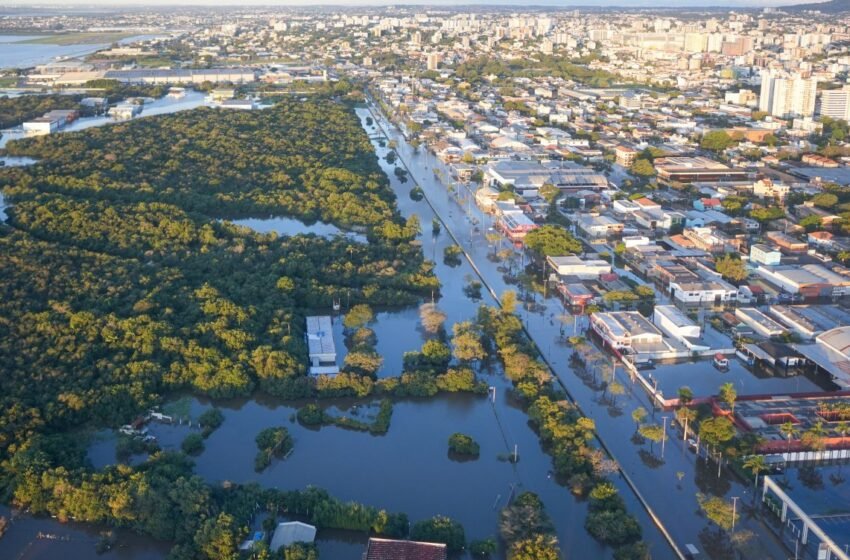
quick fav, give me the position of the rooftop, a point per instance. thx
(388, 549)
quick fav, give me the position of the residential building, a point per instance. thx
(625, 156)
(835, 103)
(598, 226)
(784, 95)
(762, 254)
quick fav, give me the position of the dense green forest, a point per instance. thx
(123, 281)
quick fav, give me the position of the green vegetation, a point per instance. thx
(731, 267)
(564, 432)
(552, 241)
(210, 421)
(476, 70)
(527, 530)
(193, 444)
(451, 255)
(716, 141)
(271, 442)
(78, 38)
(462, 444)
(442, 530)
(15, 110)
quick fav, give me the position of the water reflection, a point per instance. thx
(293, 226)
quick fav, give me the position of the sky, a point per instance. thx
(559, 3)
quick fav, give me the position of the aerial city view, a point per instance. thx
(424, 281)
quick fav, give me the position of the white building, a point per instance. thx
(41, 125)
(835, 103)
(572, 265)
(710, 293)
(762, 254)
(759, 322)
(628, 331)
(678, 326)
(291, 532)
(321, 347)
(784, 95)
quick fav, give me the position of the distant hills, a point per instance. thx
(831, 7)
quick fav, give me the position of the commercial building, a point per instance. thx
(678, 326)
(809, 280)
(627, 331)
(831, 353)
(702, 293)
(320, 345)
(759, 322)
(693, 169)
(585, 269)
(184, 76)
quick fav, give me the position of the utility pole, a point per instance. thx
(664, 435)
(734, 511)
(719, 464)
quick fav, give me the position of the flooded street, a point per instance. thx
(671, 498)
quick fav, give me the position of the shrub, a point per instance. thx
(462, 444)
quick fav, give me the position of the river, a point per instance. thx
(669, 488)
(15, 54)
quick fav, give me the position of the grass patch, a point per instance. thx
(81, 38)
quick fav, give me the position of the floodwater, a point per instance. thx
(292, 226)
(15, 54)
(668, 485)
(408, 469)
(705, 380)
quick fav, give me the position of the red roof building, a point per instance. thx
(389, 549)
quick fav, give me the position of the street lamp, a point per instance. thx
(664, 435)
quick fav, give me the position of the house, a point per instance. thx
(584, 269)
(768, 189)
(290, 532)
(124, 111)
(576, 294)
(320, 345)
(391, 549)
(762, 254)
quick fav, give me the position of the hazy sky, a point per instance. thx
(559, 3)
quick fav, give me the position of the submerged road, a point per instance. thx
(660, 491)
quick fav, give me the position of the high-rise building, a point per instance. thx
(783, 95)
(835, 103)
(433, 61)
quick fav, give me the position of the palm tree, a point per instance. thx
(757, 464)
(788, 430)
